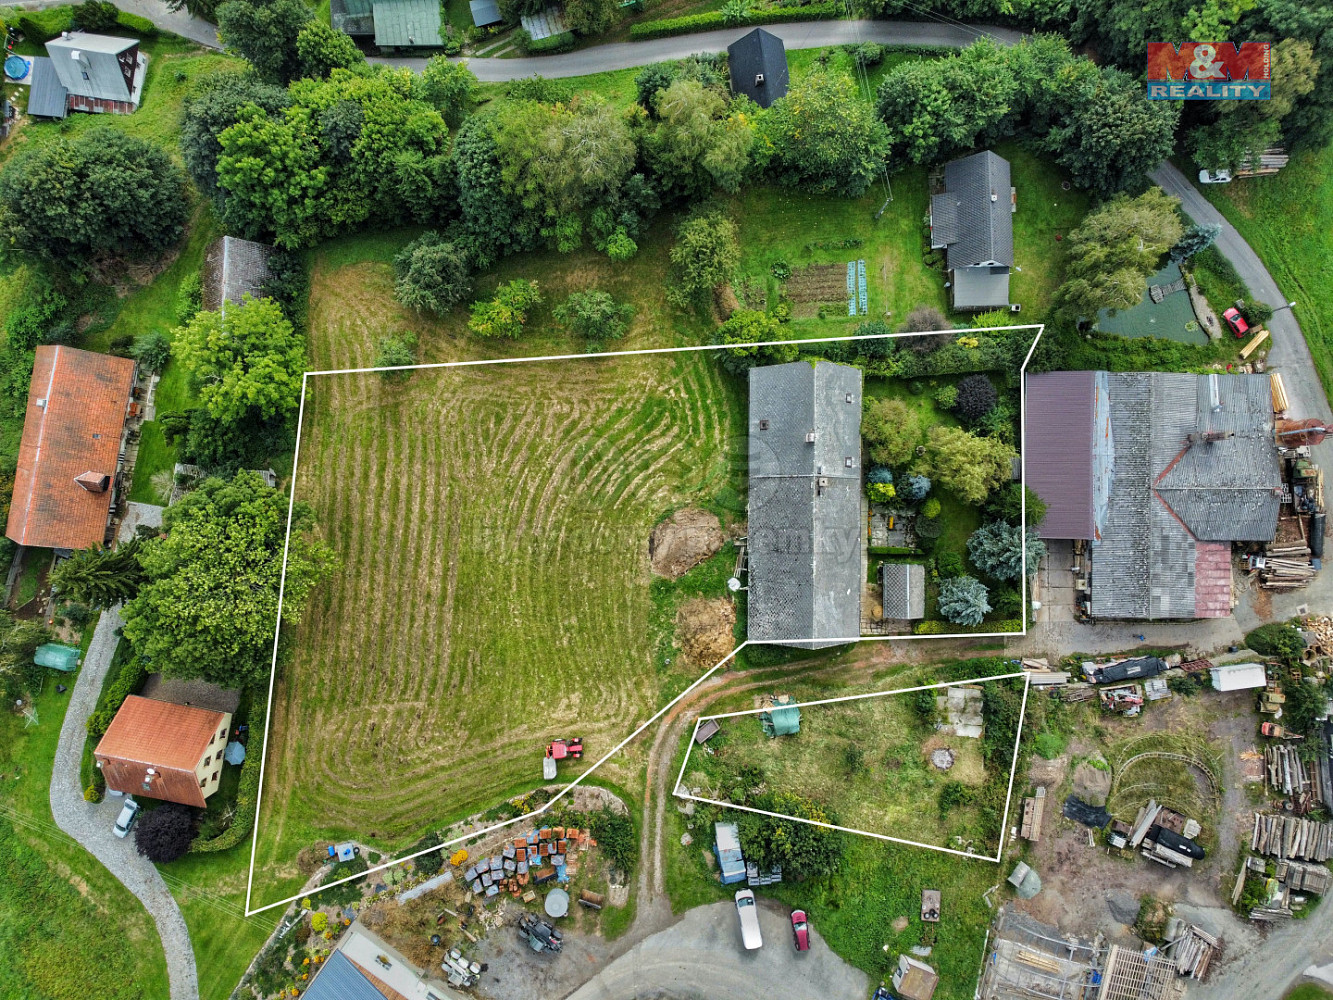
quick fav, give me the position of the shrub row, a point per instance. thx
(712, 20)
(949, 628)
(128, 682)
(40, 26)
(562, 42)
(247, 793)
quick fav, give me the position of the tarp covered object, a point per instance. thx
(1085, 813)
(57, 657)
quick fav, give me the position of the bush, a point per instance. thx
(92, 794)
(562, 42)
(394, 352)
(949, 564)
(247, 794)
(433, 275)
(1256, 313)
(946, 397)
(96, 16)
(139, 26)
(1050, 745)
(914, 488)
(931, 508)
(152, 351)
(40, 26)
(616, 837)
(880, 492)
(1277, 640)
(165, 833)
(824, 10)
(976, 397)
(880, 474)
(130, 679)
(506, 314)
(430, 862)
(964, 600)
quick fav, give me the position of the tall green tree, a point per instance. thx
(964, 600)
(802, 849)
(19, 640)
(213, 106)
(103, 192)
(447, 86)
(264, 33)
(698, 142)
(246, 363)
(964, 464)
(210, 603)
(822, 137)
(594, 316)
(432, 274)
(321, 49)
(997, 550)
(1113, 251)
(100, 577)
(704, 255)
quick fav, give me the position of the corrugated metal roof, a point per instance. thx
(1058, 411)
(47, 96)
(407, 23)
(805, 503)
(339, 979)
(355, 17)
(91, 65)
(760, 53)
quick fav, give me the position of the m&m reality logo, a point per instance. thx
(1209, 71)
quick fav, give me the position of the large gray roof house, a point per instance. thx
(804, 535)
(972, 222)
(84, 72)
(1160, 472)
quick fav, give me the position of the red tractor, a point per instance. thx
(560, 749)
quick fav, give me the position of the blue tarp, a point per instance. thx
(235, 753)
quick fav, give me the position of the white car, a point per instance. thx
(128, 812)
(749, 914)
(1214, 176)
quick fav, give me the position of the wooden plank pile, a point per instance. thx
(1287, 566)
(1192, 948)
(1287, 773)
(1300, 877)
(1292, 837)
(1319, 635)
(1034, 810)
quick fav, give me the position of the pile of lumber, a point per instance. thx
(1286, 566)
(1287, 773)
(1300, 877)
(1192, 948)
(1319, 635)
(1292, 837)
(1272, 912)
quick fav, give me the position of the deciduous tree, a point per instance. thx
(210, 602)
(590, 17)
(594, 316)
(506, 314)
(822, 137)
(697, 142)
(964, 464)
(213, 106)
(322, 48)
(704, 255)
(264, 33)
(801, 849)
(446, 86)
(164, 834)
(103, 192)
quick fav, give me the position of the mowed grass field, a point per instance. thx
(493, 525)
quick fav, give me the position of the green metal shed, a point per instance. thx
(407, 24)
(57, 657)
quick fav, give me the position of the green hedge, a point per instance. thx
(140, 26)
(247, 795)
(40, 26)
(128, 682)
(949, 628)
(562, 42)
(892, 550)
(712, 20)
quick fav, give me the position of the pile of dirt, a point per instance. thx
(705, 630)
(1091, 784)
(684, 540)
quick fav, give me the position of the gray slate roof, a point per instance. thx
(90, 65)
(760, 53)
(485, 12)
(805, 504)
(339, 979)
(47, 96)
(408, 23)
(904, 587)
(976, 228)
(234, 268)
(1167, 496)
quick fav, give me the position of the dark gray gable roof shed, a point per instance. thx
(804, 547)
(904, 591)
(233, 269)
(758, 65)
(976, 212)
(47, 96)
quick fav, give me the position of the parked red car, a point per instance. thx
(800, 930)
(1236, 321)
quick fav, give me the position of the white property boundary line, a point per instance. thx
(1008, 795)
(286, 548)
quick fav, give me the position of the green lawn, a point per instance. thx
(1045, 211)
(35, 563)
(1308, 991)
(1288, 219)
(69, 929)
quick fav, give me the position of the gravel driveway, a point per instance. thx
(701, 956)
(91, 824)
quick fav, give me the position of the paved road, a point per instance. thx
(701, 957)
(802, 35)
(178, 22)
(91, 824)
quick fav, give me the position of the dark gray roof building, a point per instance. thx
(485, 12)
(99, 71)
(758, 66)
(234, 268)
(1187, 465)
(804, 546)
(47, 96)
(904, 591)
(972, 221)
(340, 979)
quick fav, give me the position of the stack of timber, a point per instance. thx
(1292, 837)
(1319, 636)
(1034, 810)
(1287, 566)
(1270, 161)
(1278, 908)
(1287, 773)
(1191, 948)
(1077, 692)
(1300, 877)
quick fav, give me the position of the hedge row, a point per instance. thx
(562, 42)
(127, 682)
(949, 628)
(247, 794)
(40, 26)
(712, 20)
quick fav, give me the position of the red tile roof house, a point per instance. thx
(164, 751)
(72, 439)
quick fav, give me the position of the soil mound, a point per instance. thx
(705, 630)
(684, 540)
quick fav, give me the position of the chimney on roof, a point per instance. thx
(759, 79)
(993, 195)
(94, 482)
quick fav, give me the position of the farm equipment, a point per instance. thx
(558, 750)
(540, 934)
(1277, 732)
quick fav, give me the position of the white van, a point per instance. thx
(749, 914)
